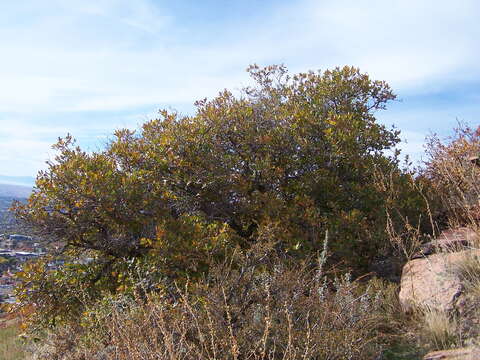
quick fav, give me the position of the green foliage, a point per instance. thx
(59, 295)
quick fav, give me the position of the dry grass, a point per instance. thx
(263, 309)
(11, 347)
(440, 329)
(469, 272)
(454, 172)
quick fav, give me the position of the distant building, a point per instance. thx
(18, 237)
(20, 255)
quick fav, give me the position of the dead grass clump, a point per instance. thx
(440, 329)
(468, 269)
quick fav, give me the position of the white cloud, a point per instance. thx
(23, 157)
(411, 44)
(69, 65)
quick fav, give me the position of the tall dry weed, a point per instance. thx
(257, 307)
(453, 166)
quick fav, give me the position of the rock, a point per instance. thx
(450, 240)
(455, 354)
(432, 282)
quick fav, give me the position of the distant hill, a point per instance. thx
(28, 181)
(9, 193)
(15, 191)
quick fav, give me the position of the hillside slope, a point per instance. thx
(14, 191)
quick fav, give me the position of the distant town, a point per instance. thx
(15, 249)
(16, 246)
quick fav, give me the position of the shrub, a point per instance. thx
(294, 156)
(264, 309)
(453, 169)
(285, 161)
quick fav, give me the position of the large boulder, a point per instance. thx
(432, 282)
(456, 354)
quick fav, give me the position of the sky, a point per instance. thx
(89, 67)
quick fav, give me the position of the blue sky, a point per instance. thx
(90, 67)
